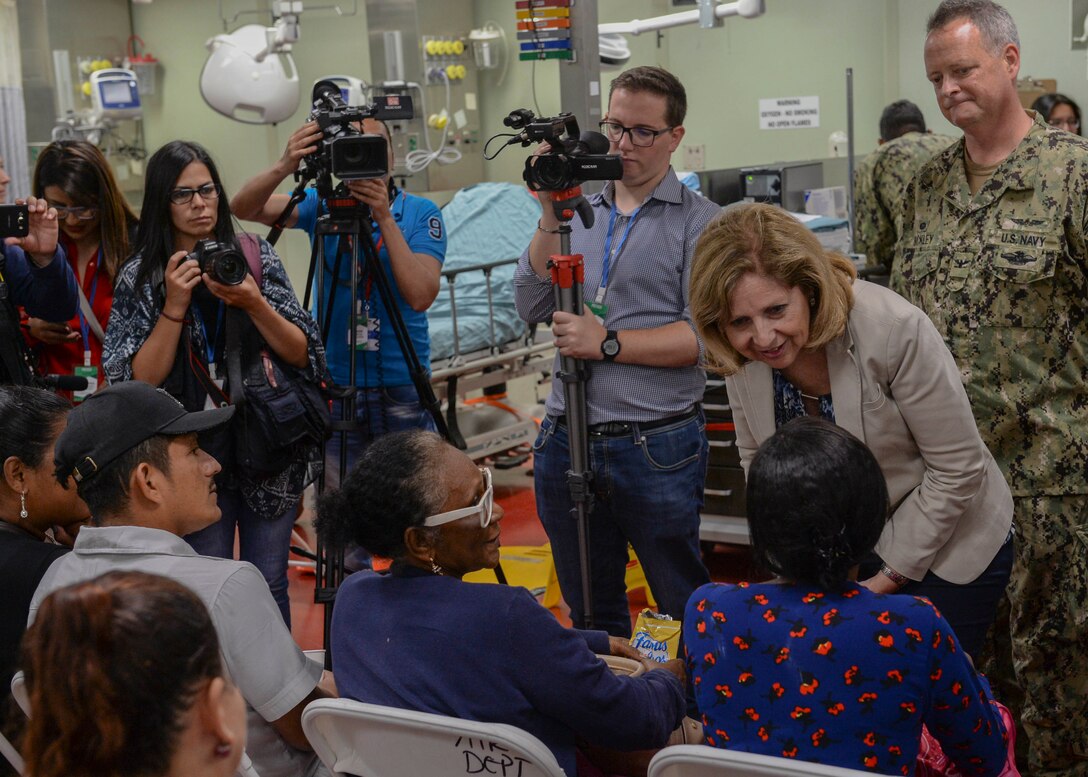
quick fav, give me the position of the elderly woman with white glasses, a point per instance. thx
(419, 638)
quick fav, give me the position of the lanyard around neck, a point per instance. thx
(608, 245)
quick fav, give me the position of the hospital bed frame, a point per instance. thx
(455, 376)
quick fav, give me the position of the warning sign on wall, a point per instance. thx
(789, 112)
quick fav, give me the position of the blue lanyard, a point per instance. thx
(84, 329)
(608, 245)
(209, 346)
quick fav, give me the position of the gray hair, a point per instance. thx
(994, 23)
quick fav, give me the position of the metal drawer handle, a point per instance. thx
(717, 492)
(721, 443)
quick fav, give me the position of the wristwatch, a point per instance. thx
(610, 346)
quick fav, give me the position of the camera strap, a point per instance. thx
(609, 255)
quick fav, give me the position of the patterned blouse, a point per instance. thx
(135, 313)
(789, 404)
(845, 679)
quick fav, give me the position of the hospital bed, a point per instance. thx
(478, 341)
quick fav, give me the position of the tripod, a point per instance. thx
(568, 275)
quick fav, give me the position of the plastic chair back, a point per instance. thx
(704, 761)
(352, 737)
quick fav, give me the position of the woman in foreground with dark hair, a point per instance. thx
(124, 678)
(169, 331)
(419, 638)
(812, 665)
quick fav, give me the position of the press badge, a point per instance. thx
(599, 309)
(88, 371)
(368, 330)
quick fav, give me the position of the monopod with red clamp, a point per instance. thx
(567, 278)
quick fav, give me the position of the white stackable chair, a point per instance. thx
(351, 737)
(705, 761)
(7, 749)
(18, 691)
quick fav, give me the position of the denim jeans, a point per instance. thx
(969, 608)
(263, 542)
(378, 411)
(648, 490)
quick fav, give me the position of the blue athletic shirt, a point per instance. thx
(420, 222)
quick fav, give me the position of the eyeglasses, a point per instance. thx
(183, 196)
(80, 214)
(484, 507)
(1069, 124)
(640, 136)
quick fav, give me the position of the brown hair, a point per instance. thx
(80, 170)
(112, 665)
(765, 240)
(659, 81)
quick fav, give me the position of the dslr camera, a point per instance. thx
(223, 262)
(344, 151)
(574, 157)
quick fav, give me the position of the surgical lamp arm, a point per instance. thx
(749, 9)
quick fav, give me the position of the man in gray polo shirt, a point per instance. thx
(134, 454)
(648, 446)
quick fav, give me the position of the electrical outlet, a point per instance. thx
(695, 157)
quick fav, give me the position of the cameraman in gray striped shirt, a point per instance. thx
(648, 447)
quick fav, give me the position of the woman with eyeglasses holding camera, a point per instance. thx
(97, 228)
(170, 329)
(419, 638)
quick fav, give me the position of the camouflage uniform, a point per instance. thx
(1004, 276)
(881, 184)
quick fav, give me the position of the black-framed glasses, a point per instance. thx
(80, 214)
(183, 196)
(640, 136)
(1072, 125)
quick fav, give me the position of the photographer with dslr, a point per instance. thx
(648, 446)
(168, 329)
(34, 274)
(411, 242)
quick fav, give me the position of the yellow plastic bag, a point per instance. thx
(656, 636)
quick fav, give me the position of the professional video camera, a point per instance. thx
(345, 152)
(224, 263)
(574, 157)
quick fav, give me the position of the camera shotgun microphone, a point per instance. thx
(63, 382)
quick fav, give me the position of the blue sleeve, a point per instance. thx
(307, 212)
(564, 680)
(426, 232)
(961, 714)
(597, 641)
(48, 292)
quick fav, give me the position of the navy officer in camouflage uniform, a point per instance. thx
(882, 180)
(994, 250)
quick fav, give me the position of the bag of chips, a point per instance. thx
(656, 636)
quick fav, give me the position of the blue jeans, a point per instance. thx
(263, 542)
(648, 489)
(969, 608)
(378, 411)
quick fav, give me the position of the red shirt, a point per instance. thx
(62, 359)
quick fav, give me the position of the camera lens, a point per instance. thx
(228, 267)
(551, 173)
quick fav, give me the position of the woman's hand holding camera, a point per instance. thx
(182, 276)
(245, 295)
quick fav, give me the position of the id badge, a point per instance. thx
(209, 403)
(91, 374)
(599, 309)
(368, 330)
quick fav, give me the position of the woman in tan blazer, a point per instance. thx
(795, 333)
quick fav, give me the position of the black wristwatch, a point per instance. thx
(610, 346)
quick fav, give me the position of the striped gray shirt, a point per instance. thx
(647, 288)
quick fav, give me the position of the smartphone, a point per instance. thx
(14, 221)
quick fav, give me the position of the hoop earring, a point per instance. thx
(435, 568)
(23, 514)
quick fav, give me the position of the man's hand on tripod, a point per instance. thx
(579, 337)
(375, 193)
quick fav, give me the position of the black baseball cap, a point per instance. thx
(117, 419)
